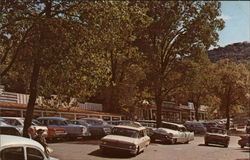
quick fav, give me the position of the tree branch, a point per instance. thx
(15, 53)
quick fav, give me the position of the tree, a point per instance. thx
(114, 31)
(197, 89)
(179, 30)
(38, 35)
(233, 85)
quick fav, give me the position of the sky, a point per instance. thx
(236, 15)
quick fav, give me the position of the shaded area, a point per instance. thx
(90, 142)
(246, 149)
(212, 145)
(111, 154)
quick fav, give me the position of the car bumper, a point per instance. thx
(109, 147)
(216, 141)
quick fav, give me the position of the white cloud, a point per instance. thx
(224, 17)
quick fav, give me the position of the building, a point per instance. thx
(171, 112)
(15, 104)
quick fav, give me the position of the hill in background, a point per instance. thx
(237, 52)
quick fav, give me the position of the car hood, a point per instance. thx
(168, 130)
(119, 139)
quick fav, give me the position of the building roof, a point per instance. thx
(7, 140)
(24, 106)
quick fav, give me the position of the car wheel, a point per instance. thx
(206, 143)
(242, 146)
(225, 145)
(187, 142)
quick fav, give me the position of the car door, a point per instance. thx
(182, 134)
(35, 154)
(143, 138)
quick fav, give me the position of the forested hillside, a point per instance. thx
(237, 52)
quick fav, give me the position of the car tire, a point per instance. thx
(242, 146)
(206, 143)
(187, 142)
(225, 145)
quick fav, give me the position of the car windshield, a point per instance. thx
(94, 122)
(220, 131)
(125, 132)
(170, 126)
(36, 123)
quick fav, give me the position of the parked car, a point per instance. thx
(172, 133)
(97, 127)
(123, 122)
(209, 125)
(248, 127)
(244, 141)
(73, 131)
(53, 132)
(150, 126)
(196, 127)
(19, 148)
(82, 123)
(217, 136)
(19, 122)
(130, 139)
(9, 129)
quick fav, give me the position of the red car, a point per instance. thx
(244, 141)
(217, 136)
(56, 133)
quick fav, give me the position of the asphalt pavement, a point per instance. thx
(195, 150)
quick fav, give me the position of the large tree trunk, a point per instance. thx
(196, 110)
(32, 98)
(228, 117)
(158, 101)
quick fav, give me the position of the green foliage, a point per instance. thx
(179, 30)
(233, 84)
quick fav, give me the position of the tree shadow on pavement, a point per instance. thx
(244, 150)
(109, 155)
(90, 142)
(212, 145)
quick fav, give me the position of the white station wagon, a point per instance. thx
(131, 139)
(20, 148)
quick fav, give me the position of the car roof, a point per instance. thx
(94, 119)
(20, 118)
(179, 125)
(133, 127)
(8, 140)
(52, 118)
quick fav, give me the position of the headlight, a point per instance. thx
(106, 129)
(103, 142)
(132, 147)
(170, 135)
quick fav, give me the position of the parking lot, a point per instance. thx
(195, 150)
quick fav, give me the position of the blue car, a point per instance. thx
(97, 127)
(73, 131)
